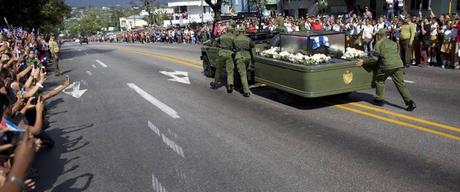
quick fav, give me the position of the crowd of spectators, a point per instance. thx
(424, 39)
(24, 67)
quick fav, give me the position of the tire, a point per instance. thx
(208, 70)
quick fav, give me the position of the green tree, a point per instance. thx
(46, 15)
(92, 22)
(72, 27)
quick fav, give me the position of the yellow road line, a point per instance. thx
(164, 55)
(168, 57)
(165, 58)
(443, 126)
(394, 121)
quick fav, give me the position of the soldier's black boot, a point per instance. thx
(215, 85)
(411, 106)
(229, 88)
(246, 94)
(379, 102)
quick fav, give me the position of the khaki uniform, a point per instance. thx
(54, 49)
(390, 65)
(243, 46)
(406, 39)
(225, 55)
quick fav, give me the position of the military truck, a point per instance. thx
(336, 76)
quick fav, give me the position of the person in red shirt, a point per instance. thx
(316, 26)
(251, 28)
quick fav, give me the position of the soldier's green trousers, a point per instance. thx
(225, 58)
(242, 60)
(398, 78)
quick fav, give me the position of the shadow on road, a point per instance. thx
(314, 103)
(50, 163)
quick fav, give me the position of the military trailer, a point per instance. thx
(336, 76)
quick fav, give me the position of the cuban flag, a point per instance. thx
(10, 125)
(317, 41)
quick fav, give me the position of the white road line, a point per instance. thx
(406, 81)
(173, 145)
(154, 128)
(163, 107)
(101, 63)
(166, 140)
(89, 73)
(94, 66)
(157, 185)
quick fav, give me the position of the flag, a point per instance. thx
(316, 42)
(10, 125)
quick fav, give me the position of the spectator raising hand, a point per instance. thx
(24, 153)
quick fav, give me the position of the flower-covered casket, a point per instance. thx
(312, 64)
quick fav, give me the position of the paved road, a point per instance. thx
(135, 129)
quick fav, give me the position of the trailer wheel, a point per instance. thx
(208, 70)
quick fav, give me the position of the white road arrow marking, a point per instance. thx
(177, 76)
(75, 90)
(101, 63)
(94, 66)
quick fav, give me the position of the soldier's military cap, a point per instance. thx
(230, 28)
(382, 32)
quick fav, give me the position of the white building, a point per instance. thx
(131, 22)
(188, 12)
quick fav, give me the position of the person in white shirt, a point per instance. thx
(447, 46)
(288, 27)
(349, 29)
(358, 34)
(368, 36)
(337, 25)
(308, 24)
(380, 24)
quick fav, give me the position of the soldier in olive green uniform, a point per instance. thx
(280, 26)
(225, 54)
(243, 46)
(390, 65)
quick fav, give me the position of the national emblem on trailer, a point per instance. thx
(347, 77)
